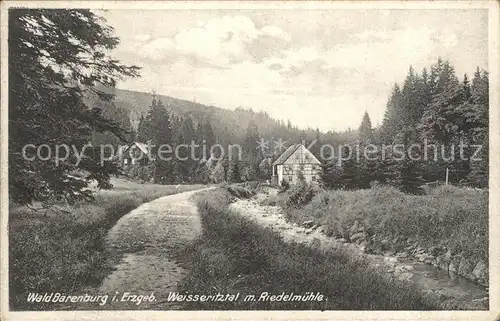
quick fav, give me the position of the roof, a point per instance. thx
(288, 152)
(143, 147)
(291, 150)
(211, 161)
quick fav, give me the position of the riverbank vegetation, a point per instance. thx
(449, 216)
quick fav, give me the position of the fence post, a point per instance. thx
(447, 171)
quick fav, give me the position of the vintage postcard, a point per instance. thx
(250, 160)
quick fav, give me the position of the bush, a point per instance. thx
(284, 186)
(300, 194)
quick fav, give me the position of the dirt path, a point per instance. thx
(450, 292)
(150, 237)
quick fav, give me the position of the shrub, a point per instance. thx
(300, 194)
(284, 186)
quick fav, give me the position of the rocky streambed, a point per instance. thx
(410, 249)
(443, 286)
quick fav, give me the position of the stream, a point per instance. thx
(451, 292)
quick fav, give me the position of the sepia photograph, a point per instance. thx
(249, 156)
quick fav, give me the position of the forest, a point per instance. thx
(434, 107)
(181, 122)
(431, 108)
(78, 102)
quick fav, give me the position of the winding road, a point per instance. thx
(150, 237)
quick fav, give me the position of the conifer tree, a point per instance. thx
(330, 175)
(315, 149)
(141, 129)
(365, 129)
(206, 137)
(350, 177)
(477, 118)
(56, 59)
(159, 132)
(408, 168)
(251, 155)
(392, 117)
(184, 162)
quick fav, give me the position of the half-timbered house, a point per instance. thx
(295, 161)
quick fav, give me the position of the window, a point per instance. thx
(290, 178)
(301, 167)
(307, 156)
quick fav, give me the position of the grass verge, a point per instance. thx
(63, 252)
(234, 255)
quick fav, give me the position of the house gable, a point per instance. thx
(133, 152)
(286, 154)
(141, 146)
(301, 155)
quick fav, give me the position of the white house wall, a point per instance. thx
(279, 170)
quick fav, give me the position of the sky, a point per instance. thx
(317, 68)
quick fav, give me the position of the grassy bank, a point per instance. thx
(446, 216)
(235, 255)
(57, 251)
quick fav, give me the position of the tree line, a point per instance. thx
(160, 126)
(443, 117)
(58, 59)
(180, 122)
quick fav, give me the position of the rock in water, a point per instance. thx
(358, 236)
(480, 272)
(465, 268)
(325, 229)
(355, 228)
(308, 224)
